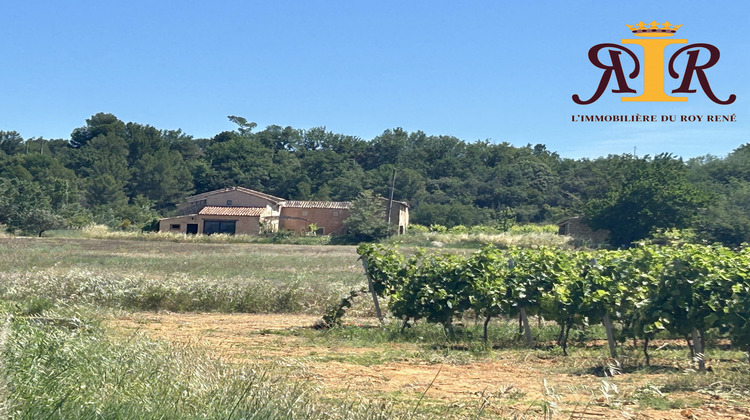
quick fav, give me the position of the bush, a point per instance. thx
(282, 235)
(438, 228)
(459, 229)
(415, 228)
(151, 226)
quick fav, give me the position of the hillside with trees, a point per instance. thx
(126, 174)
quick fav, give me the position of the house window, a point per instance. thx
(335, 213)
(304, 212)
(229, 202)
(174, 227)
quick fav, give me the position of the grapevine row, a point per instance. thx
(685, 290)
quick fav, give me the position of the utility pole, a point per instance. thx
(390, 200)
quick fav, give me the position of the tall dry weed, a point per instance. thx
(179, 292)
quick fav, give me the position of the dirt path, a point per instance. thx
(504, 385)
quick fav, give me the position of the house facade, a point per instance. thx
(239, 210)
(216, 219)
(399, 216)
(327, 217)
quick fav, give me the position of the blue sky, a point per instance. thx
(480, 70)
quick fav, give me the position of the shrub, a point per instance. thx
(438, 228)
(416, 228)
(459, 229)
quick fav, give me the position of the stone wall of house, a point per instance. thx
(400, 217)
(298, 219)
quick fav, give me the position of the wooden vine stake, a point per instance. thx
(610, 336)
(372, 291)
(698, 346)
(522, 314)
(526, 328)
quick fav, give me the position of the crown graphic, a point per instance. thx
(654, 29)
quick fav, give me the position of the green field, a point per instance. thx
(98, 328)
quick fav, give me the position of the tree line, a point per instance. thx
(126, 174)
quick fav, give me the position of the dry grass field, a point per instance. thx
(217, 313)
(456, 382)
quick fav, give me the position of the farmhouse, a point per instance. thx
(239, 210)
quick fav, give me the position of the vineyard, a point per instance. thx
(684, 290)
(144, 329)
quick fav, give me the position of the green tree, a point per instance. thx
(367, 222)
(278, 138)
(385, 148)
(245, 127)
(158, 178)
(727, 220)
(75, 215)
(38, 221)
(101, 124)
(655, 193)
(11, 142)
(451, 214)
(323, 193)
(26, 207)
(139, 213)
(239, 160)
(348, 185)
(103, 164)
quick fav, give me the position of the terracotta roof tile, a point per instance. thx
(317, 204)
(232, 211)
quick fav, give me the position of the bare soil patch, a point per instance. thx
(505, 384)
